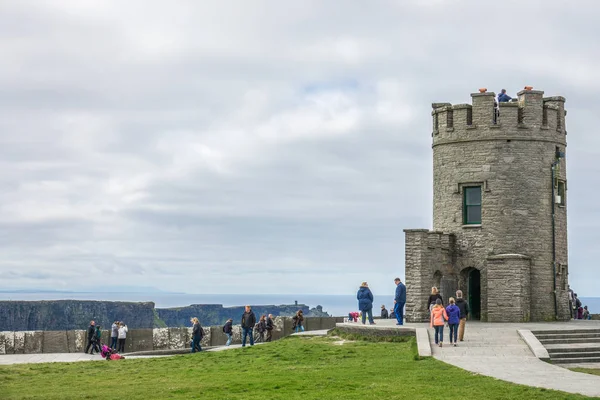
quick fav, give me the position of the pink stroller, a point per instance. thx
(110, 354)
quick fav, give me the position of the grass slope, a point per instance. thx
(292, 368)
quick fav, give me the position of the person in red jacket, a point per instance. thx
(438, 317)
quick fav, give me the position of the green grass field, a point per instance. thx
(292, 368)
(591, 371)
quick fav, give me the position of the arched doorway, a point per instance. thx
(474, 292)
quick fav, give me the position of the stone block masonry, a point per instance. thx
(74, 341)
(503, 247)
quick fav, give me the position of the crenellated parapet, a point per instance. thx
(531, 116)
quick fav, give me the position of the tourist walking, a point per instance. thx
(435, 294)
(197, 334)
(399, 301)
(365, 302)
(438, 318)
(463, 306)
(122, 336)
(114, 334)
(261, 327)
(228, 330)
(248, 322)
(577, 313)
(91, 333)
(453, 320)
(270, 327)
(384, 312)
(96, 341)
(298, 319)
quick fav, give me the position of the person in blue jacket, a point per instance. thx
(399, 301)
(503, 97)
(453, 319)
(365, 302)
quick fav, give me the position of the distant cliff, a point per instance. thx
(76, 314)
(72, 314)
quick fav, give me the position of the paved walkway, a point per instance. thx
(498, 351)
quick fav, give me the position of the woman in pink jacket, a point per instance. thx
(438, 317)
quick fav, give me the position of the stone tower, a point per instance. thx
(499, 211)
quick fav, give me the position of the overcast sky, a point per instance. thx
(261, 146)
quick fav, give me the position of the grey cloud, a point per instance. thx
(275, 141)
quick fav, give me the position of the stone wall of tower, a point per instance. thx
(429, 262)
(510, 156)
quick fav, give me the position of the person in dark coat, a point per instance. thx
(384, 312)
(91, 334)
(365, 302)
(399, 301)
(270, 327)
(197, 333)
(431, 301)
(463, 306)
(228, 330)
(248, 322)
(96, 342)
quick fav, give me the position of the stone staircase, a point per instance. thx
(573, 346)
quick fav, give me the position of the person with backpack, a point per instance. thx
(261, 327)
(453, 320)
(114, 334)
(438, 318)
(270, 327)
(96, 341)
(228, 330)
(91, 333)
(365, 302)
(463, 306)
(248, 322)
(197, 335)
(122, 336)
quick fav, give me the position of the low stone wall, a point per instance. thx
(30, 342)
(595, 317)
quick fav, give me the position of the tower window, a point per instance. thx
(472, 205)
(561, 198)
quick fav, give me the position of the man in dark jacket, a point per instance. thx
(399, 301)
(91, 336)
(463, 306)
(384, 312)
(248, 322)
(270, 326)
(228, 330)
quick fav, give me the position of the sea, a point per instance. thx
(335, 305)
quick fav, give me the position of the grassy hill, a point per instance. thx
(292, 368)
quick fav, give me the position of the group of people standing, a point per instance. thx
(455, 314)
(575, 305)
(118, 334)
(264, 326)
(365, 303)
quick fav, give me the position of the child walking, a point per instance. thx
(438, 316)
(453, 320)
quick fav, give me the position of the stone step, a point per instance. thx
(575, 360)
(565, 331)
(575, 354)
(566, 341)
(568, 335)
(563, 348)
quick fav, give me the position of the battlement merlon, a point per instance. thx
(532, 110)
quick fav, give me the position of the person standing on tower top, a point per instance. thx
(503, 97)
(399, 301)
